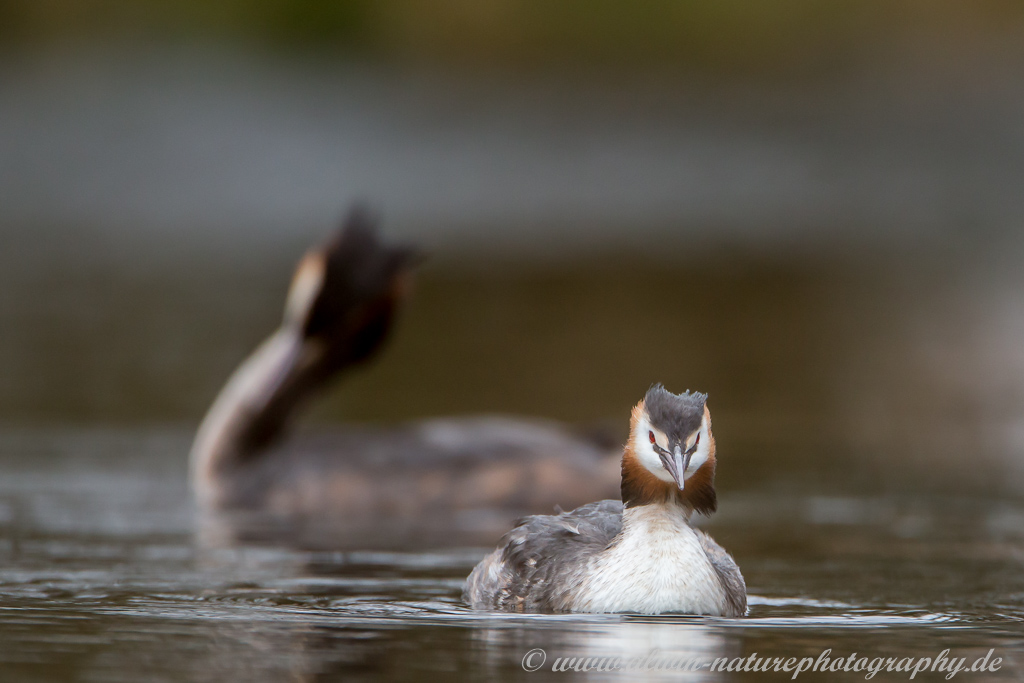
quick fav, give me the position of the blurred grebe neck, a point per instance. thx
(465, 477)
(339, 309)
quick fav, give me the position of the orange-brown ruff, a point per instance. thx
(640, 555)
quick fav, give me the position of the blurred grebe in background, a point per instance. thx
(460, 478)
(639, 555)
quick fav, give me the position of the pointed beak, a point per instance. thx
(676, 463)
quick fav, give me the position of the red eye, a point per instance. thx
(697, 440)
(650, 435)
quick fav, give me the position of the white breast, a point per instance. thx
(656, 565)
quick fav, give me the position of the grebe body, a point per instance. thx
(473, 474)
(639, 555)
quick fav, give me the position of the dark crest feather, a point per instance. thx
(677, 415)
(359, 269)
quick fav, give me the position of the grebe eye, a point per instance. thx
(697, 440)
(650, 435)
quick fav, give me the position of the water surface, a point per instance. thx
(104, 577)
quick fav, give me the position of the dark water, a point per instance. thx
(869, 477)
(870, 492)
(105, 577)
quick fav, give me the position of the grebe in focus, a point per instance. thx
(441, 476)
(640, 555)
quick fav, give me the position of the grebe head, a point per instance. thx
(671, 451)
(344, 295)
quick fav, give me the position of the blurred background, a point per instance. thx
(811, 211)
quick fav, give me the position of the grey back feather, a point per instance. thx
(728, 573)
(540, 561)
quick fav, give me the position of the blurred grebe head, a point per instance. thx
(344, 294)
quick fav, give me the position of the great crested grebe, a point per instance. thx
(639, 555)
(472, 475)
